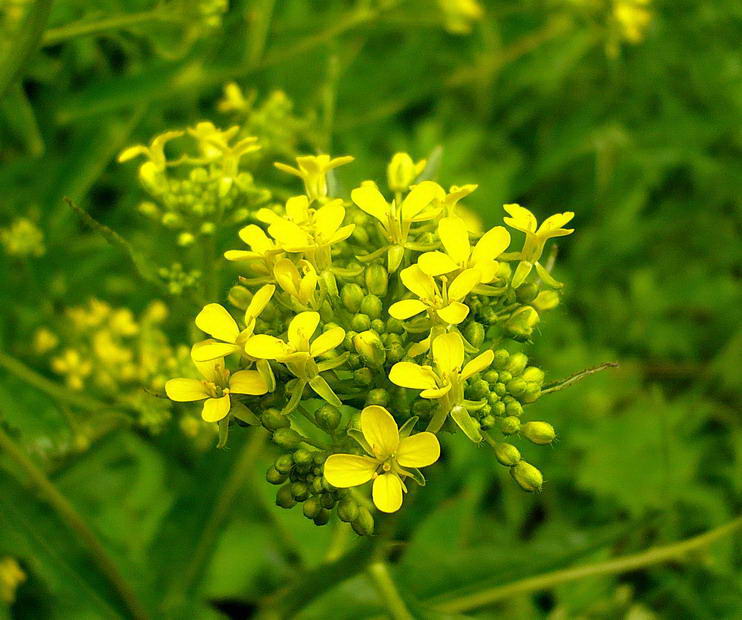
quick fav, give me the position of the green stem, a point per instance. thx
(67, 513)
(24, 44)
(610, 567)
(204, 548)
(86, 27)
(555, 386)
(387, 589)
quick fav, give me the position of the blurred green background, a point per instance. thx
(623, 111)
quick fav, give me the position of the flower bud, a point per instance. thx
(541, 433)
(513, 408)
(394, 326)
(377, 279)
(520, 325)
(491, 377)
(527, 476)
(517, 387)
(287, 438)
(546, 300)
(369, 346)
(364, 376)
(516, 364)
(509, 425)
(239, 297)
(363, 524)
(532, 393)
(395, 353)
(378, 326)
(323, 517)
(273, 419)
(311, 507)
(347, 510)
(526, 293)
(394, 257)
(488, 421)
(478, 389)
(274, 476)
(505, 376)
(299, 491)
(284, 498)
(352, 296)
(284, 463)
(532, 374)
(422, 408)
(303, 459)
(474, 333)
(327, 278)
(501, 359)
(402, 172)
(372, 306)
(507, 454)
(360, 322)
(378, 396)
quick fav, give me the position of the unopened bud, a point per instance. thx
(284, 498)
(509, 425)
(364, 376)
(516, 364)
(527, 476)
(369, 346)
(287, 438)
(360, 322)
(377, 279)
(541, 433)
(378, 396)
(546, 300)
(520, 325)
(273, 419)
(352, 296)
(327, 278)
(517, 387)
(501, 359)
(532, 374)
(347, 510)
(526, 293)
(274, 476)
(311, 507)
(363, 524)
(239, 297)
(372, 306)
(474, 333)
(394, 257)
(402, 172)
(507, 454)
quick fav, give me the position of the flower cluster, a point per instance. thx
(369, 327)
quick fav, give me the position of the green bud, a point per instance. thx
(273, 419)
(394, 326)
(317, 486)
(517, 363)
(505, 376)
(274, 476)
(500, 389)
(284, 498)
(372, 306)
(478, 389)
(527, 476)
(377, 279)
(488, 421)
(378, 396)
(347, 510)
(239, 297)
(328, 417)
(311, 507)
(303, 458)
(498, 409)
(517, 387)
(327, 278)
(546, 300)
(299, 491)
(533, 374)
(378, 326)
(360, 323)
(491, 377)
(395, 353)
(474, 333)
(514, 408)
(394, 257)
(501, 359)
(327, 501)
(532, 393)
(526, 293)
(363, 524)
(348, 340)
(352, 296)
(541, 433)
(364, 376)
(509, 425)
(369, 346)
(507, 454)
(323, 517)
(355, 361)
(287, 438)
(521, 324)
(422, 408)
(284, 463)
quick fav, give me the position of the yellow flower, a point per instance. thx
(443, 304)
(215, 388)
(227, 337)
(632, 18)
(459, 255)
(445, 382)
(233, 100)
(388, 455)
(300, 285)
(313, 169)
(11, 576)
(423, 203)
(536, 237)
(262, 253)
(71, 364)
(155, 152)
(299, 353)
(459, 15)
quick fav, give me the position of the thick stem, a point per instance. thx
(69, 516)
(387, 589)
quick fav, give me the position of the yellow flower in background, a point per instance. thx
(155, 152)
(299, 354)
(402, 172)
(216, 321)
(536, 237)
(263, 250)
(633, 18)
(459, 254)
(313, 169)
(300, 285)
(446, 381)
(11, 576)
(442, 303)
(388, 453)
(74, 367)
(459, 15)
(215, 388)
(233, 99)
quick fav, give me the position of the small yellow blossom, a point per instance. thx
(263, 251)
(300, 352)
(299, 282)
(460, 14)
(233, 100)
(74, 367)
(446, 381)
(227, 337)
(633, 18)
(155, 152)
(536, 237)
(402, 172)
(11, 576)
(215, 388)
(22, 238)
(44, 340)
(444, 304)
(459, 254)
(388, 453)
(313, 169)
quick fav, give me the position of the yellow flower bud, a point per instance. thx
(541, 433)
(527, 476)
(402, 172)
(546, 300)
(369, 346)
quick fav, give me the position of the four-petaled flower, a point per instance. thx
(442, 303)
(215, 388)
(313, 169)
(459, 254)
(263, 251)
(522, 219)
(388, 453)
(227, 337)
(300, 286)
(298, 354)
(445, 382)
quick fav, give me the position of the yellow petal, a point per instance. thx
(217, 322)
(413, 376)
(185, 390)
(290, 236)
(463, 284)
(308, 283)
(348, 470)
(297, 208)
(329, 218)
(380, 431)
(437, 393)
(287, 276)
(493, 243)
(247, 382)
(418, 348)
(521, 218)
(453, 313)
(418, 450)
(342, 234)
(236, 255)
(455, 238)
(418, 282)
(436, 263)
(266, 347)
(286, 168)
(211, 370)
(478, 364)
(370, 200)
(301, 328)
(259, 301)
(255, 237)
(521, 273)
(327, 341)
(552, 226)
(407, 308)
(387, 492)
(211, 350)
(448, 352)
(216, 409)
(420, 197)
